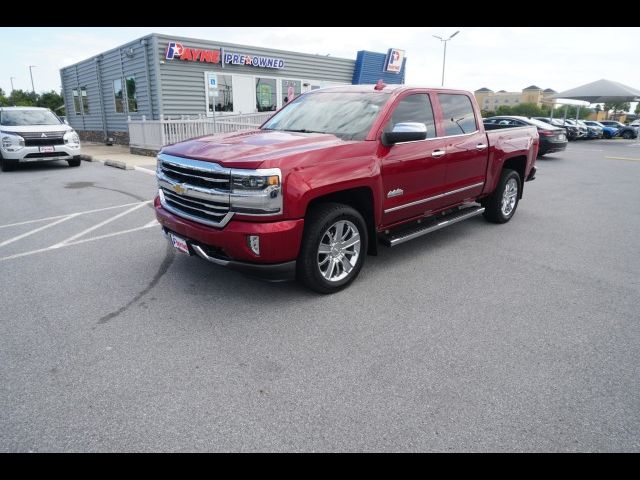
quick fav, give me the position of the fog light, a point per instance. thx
(254, 243)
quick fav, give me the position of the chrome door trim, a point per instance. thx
(435, 197)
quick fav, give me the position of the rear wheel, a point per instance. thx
(627, 135)
(606, 134)
(501, 205)
(74, 162)
(333, 247)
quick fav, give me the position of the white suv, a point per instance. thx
(33, 134)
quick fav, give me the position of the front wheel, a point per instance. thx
(501, 205)
(75, 162)
(333, 248)
(7, 165)
(627, 135)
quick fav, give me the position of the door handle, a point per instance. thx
(481, 146)
(438, 153)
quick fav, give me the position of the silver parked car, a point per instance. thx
(33, 134)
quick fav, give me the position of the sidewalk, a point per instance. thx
(117, 156)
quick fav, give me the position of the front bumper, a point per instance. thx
(228, 247)
(33, 154)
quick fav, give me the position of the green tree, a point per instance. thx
(4, 101)
(20, 98)
(617, 107)
(637, 110)
(52, 100)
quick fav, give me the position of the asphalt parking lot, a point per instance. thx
(478, 337)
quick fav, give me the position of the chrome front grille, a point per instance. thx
(49, 135)
(195, 190)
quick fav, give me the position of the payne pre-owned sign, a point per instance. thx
(176, 50)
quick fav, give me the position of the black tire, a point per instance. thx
(606, 135)
(7, 165)
(627, 135)
(493, 204)
(319, 221)
(74, 162)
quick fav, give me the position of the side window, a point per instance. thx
(132, 96)
(414, 108)
(76, 102)
(85, 100)
(457, 114)
(118, 95)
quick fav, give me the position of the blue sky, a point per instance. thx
(500, 58)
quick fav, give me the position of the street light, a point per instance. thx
(33, 89)
(444, 58)
(11, 79)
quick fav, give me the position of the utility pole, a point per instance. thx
(11, 79)
(33, 89)
(444, 58)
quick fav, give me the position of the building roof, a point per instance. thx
(549, 90)
(484, 89)
(502, 91)
(532, 87)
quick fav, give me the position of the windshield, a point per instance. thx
(16, 118)
(347, 115)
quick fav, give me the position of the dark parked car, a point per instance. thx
(571, 131)
(624, 131)
(552, 139)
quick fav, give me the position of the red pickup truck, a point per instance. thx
(333, 174)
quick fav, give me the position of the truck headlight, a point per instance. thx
(11, 142)
(71, 138)
(256, 192)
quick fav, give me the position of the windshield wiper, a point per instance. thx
(300, 130)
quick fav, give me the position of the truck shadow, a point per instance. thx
(201, 279)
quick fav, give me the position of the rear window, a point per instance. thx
(458, 117)
(16, 118)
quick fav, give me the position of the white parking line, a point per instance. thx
(76, 213)
(145, 170)
(31, 232)
(32, 252)
(91, 229)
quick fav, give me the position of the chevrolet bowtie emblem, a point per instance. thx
(179, 188)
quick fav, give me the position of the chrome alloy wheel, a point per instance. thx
(339, 250)
(509, 196)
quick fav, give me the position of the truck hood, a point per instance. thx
(249, 149)
(36, 128)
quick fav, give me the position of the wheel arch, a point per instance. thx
(359, 198)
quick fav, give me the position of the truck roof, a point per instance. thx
(387, 88)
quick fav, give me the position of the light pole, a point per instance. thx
(444, 58)
(33, 89)
(11, 79)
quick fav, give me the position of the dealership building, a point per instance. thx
(159, 76)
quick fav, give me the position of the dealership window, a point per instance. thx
(294, 85)
(117, 95)
(77, 109)
(457, 114)
(222, 96)
(266, 99)
(85, 100)
(132, 98)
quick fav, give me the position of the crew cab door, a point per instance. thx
(466, 146)
(412, 172)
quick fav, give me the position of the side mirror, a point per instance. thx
(405, 132)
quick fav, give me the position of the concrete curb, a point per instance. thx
(117, 164)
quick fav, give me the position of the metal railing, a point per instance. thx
(154, 134)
